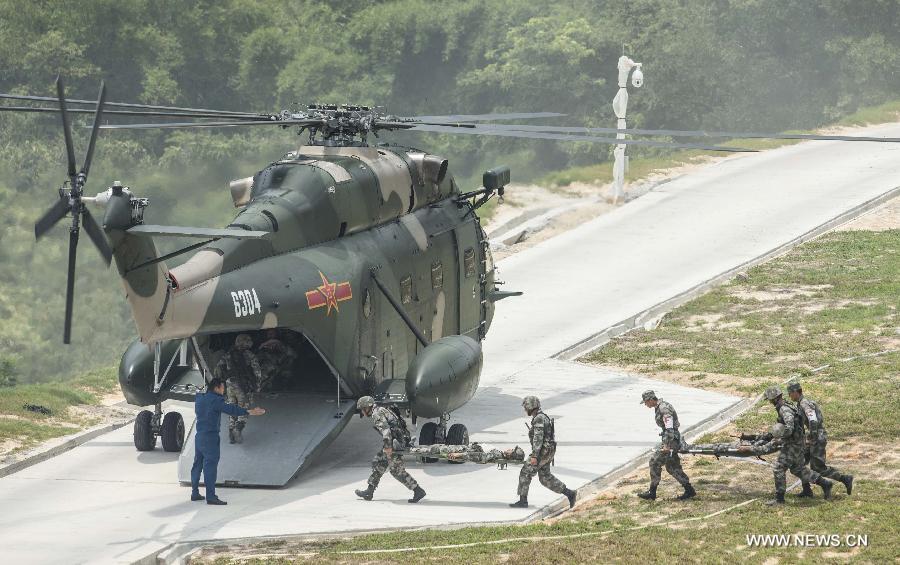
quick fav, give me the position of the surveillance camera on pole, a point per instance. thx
(620, 106)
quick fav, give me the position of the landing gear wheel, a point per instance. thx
(426, 437)
(457, 435)
(144, 438)
(172, 432)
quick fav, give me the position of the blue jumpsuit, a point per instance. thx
(209, 408)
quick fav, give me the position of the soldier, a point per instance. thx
(543, 449)
(791, 454)
(816, 439)
(239, 367)
(666, 454)
(395, 436)
(276, 359)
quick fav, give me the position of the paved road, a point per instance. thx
(103, 502)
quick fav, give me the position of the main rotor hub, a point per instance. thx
(342, 125)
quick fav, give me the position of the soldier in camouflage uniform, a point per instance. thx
(543, 450)
(395, 437)
(667, 452)
(816, 439)
(276, 359)
(240, 368)
(791, 456)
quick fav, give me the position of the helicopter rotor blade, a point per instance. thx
(67, 131)
(488, 117)
(96, 234)
(183, 125)
(53, 214)
(148, 113)
(687, 133)
(98, 115)
(70, 285)
(570, 137)
(222, 113)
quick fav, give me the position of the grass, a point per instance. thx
(829, 299)
(28, 428)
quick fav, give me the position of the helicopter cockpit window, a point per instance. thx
(469, 262)
(406, 290)
(437, 275)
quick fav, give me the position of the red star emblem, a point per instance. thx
(328, 294)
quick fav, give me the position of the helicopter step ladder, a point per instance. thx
(297, 426)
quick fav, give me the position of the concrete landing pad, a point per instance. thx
(296, 427)
(103, 502)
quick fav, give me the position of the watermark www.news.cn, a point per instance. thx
(808, 540)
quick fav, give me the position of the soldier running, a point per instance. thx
(816, 439)
(792, 449)
(543, 449)
(240, 368)
(395, 436)
(666, 454)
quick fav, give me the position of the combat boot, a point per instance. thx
(230, 435)
(570, 494)
(650, 494)
(689, 492)
(779, 499)
(239, 433)
(418, 494)
(848, 483)
(522, 503)
(366, 494)
(806, 492)
(826, 487)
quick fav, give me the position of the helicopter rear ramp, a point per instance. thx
(278, 445)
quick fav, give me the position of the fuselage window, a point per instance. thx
(437, 276)
(406, 290)
(469, 262)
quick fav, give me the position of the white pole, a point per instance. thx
(620, 107)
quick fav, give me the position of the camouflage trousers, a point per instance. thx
(544, 475)
(237, 394)
(815, 458)
(670, 460)
(791, 458)
(380, 464)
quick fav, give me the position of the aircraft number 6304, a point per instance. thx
(246, 303)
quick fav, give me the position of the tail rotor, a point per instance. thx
(70, 200)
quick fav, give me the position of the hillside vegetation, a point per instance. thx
(728, 64)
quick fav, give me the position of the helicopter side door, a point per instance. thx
(469, 258)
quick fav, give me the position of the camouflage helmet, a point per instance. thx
(648, 395)
(777, 430)
(772, 393)
(243, 341)
(531, 403)
(365, 402)
(794, 387)
(518, 454)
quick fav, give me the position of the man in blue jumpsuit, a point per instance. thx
(209, 408)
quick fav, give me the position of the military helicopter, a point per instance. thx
(369, 259)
